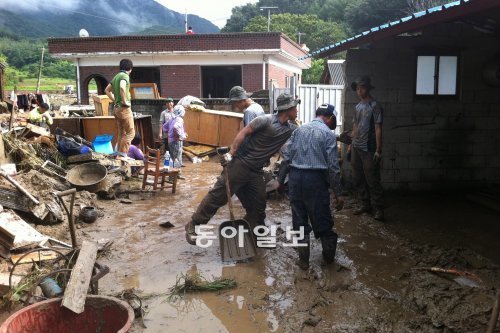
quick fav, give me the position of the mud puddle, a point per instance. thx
(372, 287)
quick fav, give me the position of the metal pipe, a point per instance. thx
(78, 93)
(72, 230)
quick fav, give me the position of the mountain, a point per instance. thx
(100, 18)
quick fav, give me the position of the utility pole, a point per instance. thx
(186, 20)
(40, 72)
(300, 34)
(268, 16)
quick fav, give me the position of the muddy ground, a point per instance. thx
(376, 284)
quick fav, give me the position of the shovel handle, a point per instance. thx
(228, 192)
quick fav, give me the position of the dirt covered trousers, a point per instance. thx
(248, 186)
(366, 177)
(310, 201)
(125, 125)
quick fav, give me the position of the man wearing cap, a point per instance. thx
(165, 116)
(311, 158)
(365, 152)
(251, 149)
(240, 100)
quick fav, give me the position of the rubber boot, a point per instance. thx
(304, 252)
(190, 233)
(329, 245)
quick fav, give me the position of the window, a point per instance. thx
(218, 80)
(437, 75)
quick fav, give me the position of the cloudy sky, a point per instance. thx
(216, 11)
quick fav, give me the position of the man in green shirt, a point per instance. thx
(118, 90)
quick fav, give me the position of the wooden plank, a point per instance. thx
(6, 238)
(192, 125)
(228, 128)
(78, 285)
(209, 129)
(25, 235)
(200, 150)
(189, 155)
(71, 125)
(94, 126)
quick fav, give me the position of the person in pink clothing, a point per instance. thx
(176, 135)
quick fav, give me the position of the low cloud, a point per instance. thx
(37, 5)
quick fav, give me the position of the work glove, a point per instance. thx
(345, 137)
(225, 159)
(377, 157)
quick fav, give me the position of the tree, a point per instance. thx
(361, 15)
(240, 17)
(313, 74)
(317, 33)
(419, 5)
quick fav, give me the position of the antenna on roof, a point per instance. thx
(83, 33)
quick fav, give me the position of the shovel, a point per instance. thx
(241, 246)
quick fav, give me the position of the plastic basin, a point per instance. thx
(102, 314)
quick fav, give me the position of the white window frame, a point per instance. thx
(437, 75)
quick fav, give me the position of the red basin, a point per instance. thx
(102, 314)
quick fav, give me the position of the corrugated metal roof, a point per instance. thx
(416, 20)
(336, 69)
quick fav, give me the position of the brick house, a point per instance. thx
(202, 65)
(436, 73)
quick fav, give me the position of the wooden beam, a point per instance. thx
(78, 285)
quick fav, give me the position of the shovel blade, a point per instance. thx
(241, 245)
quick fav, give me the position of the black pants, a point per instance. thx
(310, 200)
(249, 187)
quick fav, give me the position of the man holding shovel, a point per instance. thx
(250, 151)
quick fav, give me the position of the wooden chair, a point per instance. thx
(161, 178)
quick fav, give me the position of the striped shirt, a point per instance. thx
(313, 146)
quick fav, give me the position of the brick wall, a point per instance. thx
(279, 74)
(179, 81)
(432, 144)
(87, 73)
(252, 77)
(170, 43)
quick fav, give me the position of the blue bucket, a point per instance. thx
(102, 144)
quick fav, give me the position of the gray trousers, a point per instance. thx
(249, 187)
(366, 176)
(175, 150)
